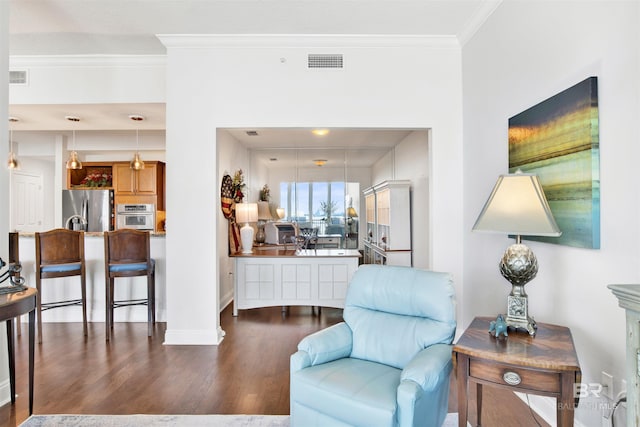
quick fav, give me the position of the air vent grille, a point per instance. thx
(18, 77)
(325, 60)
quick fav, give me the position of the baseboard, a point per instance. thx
(5, 391)
(545, 408)
(226, 299)
(193, 336)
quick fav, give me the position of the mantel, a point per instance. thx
(628, 296)
(629, 299)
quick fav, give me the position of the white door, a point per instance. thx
(27, 202)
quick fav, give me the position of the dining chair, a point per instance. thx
(60, 253)
(127, 253)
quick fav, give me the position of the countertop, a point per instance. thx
(93, 234)
(280, 251)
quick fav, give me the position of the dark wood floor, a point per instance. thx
(247, 374)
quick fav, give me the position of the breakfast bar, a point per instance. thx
(274, 276)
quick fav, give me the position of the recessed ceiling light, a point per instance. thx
(320, 132)
(320, 162)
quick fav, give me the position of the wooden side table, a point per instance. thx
(13, 305)
(546, 364)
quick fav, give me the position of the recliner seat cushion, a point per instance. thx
(355, 391)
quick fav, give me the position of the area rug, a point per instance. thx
(172, 420)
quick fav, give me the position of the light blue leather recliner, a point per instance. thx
(388, 363)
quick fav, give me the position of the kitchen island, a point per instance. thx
(273, 276)
(69, 287)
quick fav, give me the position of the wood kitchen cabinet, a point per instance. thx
(145, 182)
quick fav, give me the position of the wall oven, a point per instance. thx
(138, 216)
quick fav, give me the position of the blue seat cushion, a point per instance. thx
(357, 392)
(60, 268)
(137, 266)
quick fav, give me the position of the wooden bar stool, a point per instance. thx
(14, 258)
(127, 253)
(60, 253)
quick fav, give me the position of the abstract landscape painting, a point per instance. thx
(558, 140)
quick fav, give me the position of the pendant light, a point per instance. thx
(73, 162)
(12, 160)
(136, 162)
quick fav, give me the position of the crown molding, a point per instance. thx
(34, 61)
(478, 19)
(203, 41)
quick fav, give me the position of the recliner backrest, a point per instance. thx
(394, 312)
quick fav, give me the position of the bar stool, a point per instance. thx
(14, 258)
(60, 253)
(127, 253)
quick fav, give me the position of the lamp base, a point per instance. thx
(246, 237)
(519, 265)
(260, 235)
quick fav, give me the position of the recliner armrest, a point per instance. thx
(329, 344)
(429, 366)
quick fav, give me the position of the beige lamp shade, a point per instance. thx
(246, 212)
(517, 205)
(351, 212)
(280, 212)
(264, 213)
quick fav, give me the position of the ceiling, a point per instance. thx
(79, 27)
(125, 27)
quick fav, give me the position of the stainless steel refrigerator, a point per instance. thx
(87, 210)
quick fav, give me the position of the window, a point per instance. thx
(316, 204)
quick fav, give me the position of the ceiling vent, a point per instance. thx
(18, 77)
(325, 61)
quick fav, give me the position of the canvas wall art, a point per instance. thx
(558, 140)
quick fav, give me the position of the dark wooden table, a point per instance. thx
(546, 364)
(13, 305)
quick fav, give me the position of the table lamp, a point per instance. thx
(264, 215)
(351, 213)
(246, 213)
(517, 206)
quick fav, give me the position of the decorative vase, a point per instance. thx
(260, 236)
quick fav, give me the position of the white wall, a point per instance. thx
(90, 79)
(231, 157)
(5, 393)
(526, 52)
(219, 82)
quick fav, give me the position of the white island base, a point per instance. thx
(277, 277)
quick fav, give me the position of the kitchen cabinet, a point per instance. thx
(388, 219)
(145, 182)
(129, 181)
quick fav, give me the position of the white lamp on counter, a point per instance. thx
(246, 213)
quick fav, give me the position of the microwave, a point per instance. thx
(137, 216)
